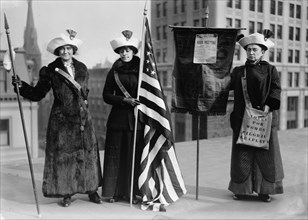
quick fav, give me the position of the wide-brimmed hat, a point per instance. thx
(257, 38)
(126, 39)
(63, 40)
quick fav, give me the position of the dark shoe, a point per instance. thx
(66, 201)
(94, 197)
(237, 197)
(265, 197)
(113, 199)
(135, 200)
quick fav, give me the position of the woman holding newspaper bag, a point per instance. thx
(120, 91)
(255, 169)
(72, 163)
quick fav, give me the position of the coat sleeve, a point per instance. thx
(109, 94)
(273, 100)
(39, 91)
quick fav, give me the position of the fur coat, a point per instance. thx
(72, 163)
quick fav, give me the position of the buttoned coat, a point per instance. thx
(263, 85)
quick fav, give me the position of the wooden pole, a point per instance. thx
(22, 116)
(198, 127)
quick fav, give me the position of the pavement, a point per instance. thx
(210, 200)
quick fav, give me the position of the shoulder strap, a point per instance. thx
(69, 78)
(245, 92)
(116, 77)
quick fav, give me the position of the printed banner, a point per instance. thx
(202, 69)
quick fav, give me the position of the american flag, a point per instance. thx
(160, 181)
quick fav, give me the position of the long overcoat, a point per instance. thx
(72, 163)
(120, 130)
(253, 169)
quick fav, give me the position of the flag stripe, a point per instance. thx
(160, 181)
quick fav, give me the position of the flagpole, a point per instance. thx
(22, 116)
(136, 107)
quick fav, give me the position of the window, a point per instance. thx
(279, 54)
(183, 6)
(260, 5)
(204, 3)
(158, 10)
(229, 22)
(291, 33)
(165, 78)
(175, 6)
(204, 22)
(279, 31)
(306, 112)
(157, 33)
(3, 81)
(251, 27)
(196, 22)
(164, 32)
(229, 3)
(296, 56)
(290, 56)
(296, 79)
(306, 79)
(271, 55)
(237, 23)
(165, 9)
(272, 28)
(259, 27)
(298, 11)
(237, 52)
(4, 132)
(291, 10)
(252, 5)
(196, 4)
(290, 79)
(158, 56)
(306, 35)
(306, 57)
(280, 8)
(238, 4)
(164, 55)
(297, 34)
(273, 7)
(292, 112)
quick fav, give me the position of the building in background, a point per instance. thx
(12, 142)
(27, 64)
(287, 19)
(98, 108)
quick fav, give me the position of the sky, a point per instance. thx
(96, 22)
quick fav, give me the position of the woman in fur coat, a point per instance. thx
(121, 121)
(253, 169)
(72, 163)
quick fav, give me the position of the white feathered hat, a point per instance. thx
(125, 39)
(63, 40)
(257, 38)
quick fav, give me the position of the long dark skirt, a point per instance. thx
(256, 170)
(118, 163)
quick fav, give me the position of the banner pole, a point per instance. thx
(198, 125)
(136, 109)
(197, 161)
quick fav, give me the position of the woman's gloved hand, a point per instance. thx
(16, 81)
(131, 101)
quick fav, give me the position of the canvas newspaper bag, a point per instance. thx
(256, 126)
